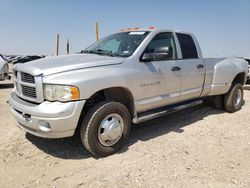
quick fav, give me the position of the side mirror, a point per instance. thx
(159, 54)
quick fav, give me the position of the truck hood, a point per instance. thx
(53, 65)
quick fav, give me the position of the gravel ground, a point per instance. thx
(198, 147)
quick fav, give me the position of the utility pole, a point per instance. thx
(67, 46)
(97, 31)
(57, 44)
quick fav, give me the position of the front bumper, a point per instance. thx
(48, 119)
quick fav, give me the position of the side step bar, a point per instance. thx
(145, 116)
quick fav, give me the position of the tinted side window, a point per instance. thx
(187, 45)
(162, 40)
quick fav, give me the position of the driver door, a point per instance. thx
(164, 70)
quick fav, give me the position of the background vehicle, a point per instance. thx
(248, 75)
(24, 59)
(4, 68)
(130, 76)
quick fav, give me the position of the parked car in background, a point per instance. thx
(248, 76)
(130, 76)
(4, 68)
(24, 59)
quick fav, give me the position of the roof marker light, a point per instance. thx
(151, 27)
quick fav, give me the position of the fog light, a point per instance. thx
(44, 126)
(27, 117)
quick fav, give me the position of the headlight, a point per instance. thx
(60, 92)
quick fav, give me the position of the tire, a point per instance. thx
(95, 137)
(233, 100)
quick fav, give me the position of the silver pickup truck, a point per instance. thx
(131, 76)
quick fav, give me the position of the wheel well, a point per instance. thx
(240, 78)
(117, 94)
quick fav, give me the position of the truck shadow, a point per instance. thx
(65, 148)
(71, 148)
(174, 122)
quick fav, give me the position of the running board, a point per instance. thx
(145, 116)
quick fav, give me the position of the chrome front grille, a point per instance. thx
(28, 87)
(29, 91)
(25, 77)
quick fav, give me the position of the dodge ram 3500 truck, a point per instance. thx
(130, 76)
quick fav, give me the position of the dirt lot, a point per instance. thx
(198, 147)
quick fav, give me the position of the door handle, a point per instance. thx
(176, 68)
(200, 66)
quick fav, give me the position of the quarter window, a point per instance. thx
(187, 45)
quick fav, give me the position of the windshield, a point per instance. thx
(119, 44)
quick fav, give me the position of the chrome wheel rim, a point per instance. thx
(110, 130)
(237, 99)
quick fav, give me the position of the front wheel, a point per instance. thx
(233, 100)
(105, 128)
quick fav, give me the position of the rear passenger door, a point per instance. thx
(192, 66)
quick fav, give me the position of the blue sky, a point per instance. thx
(30, 26)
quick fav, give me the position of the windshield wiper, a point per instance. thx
(100, 52)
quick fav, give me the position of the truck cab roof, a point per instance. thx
(153, 29)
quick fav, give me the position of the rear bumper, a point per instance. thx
(48, 119)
